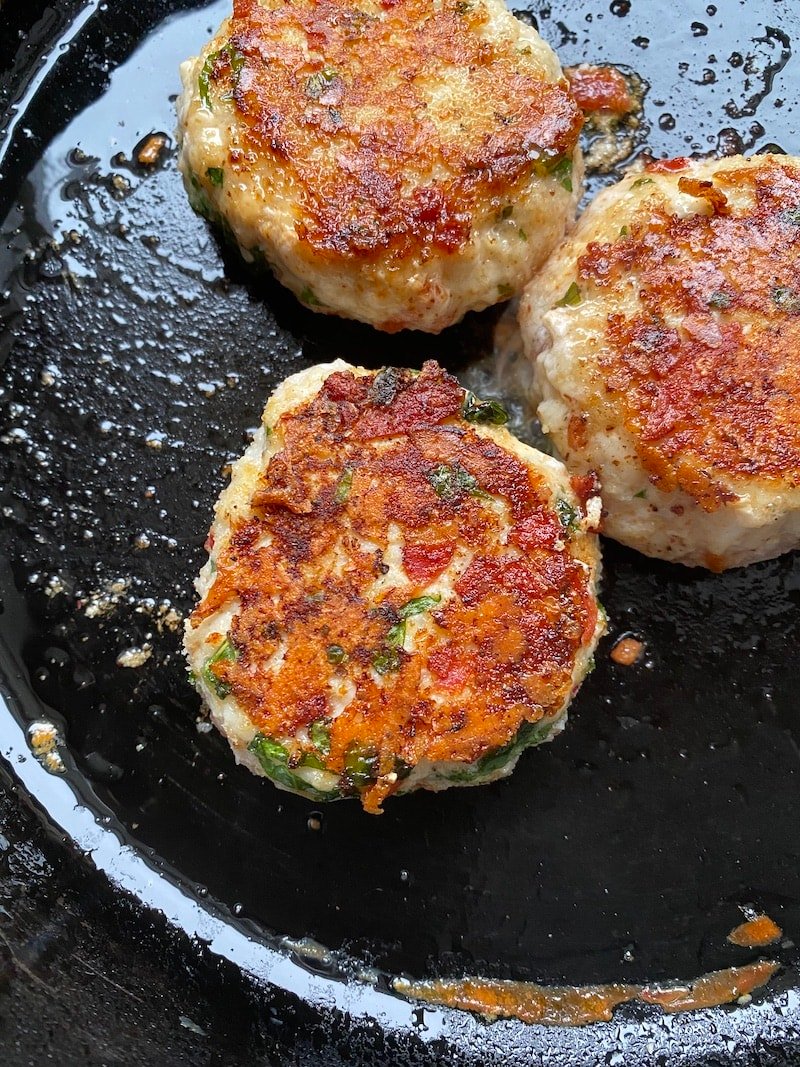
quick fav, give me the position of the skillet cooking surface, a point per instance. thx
(136, 357)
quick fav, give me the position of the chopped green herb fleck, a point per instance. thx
(309, 759)
(272, 748)
(401, 768)
(792, 216)
(640, 495)
(335, 654)
(463, 6)
(236, 61)
(397, 633)
(360, 768)
(623, 231)
(562, 171)
(642, 181)
(202, 81)
(522, 235)
(530, 733)
(567, 515)
(505, 291)
(320, 734)
(309, 297)
(319, 82)
(786, 299)
(215, 175)
(225, 652)
(418, 605)
(571, 298)
(720, 299)
(484, 411)
(386, 660)
(505, 213)
(274, 760)
(198, 199)
(343, 486)
(449, 482)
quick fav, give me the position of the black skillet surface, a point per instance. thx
(135, 355)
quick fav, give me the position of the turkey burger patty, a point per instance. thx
(398, 595)
(396, 163)
(666, 335)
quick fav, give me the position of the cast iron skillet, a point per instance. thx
(136, 354)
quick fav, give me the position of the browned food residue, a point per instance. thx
(612, 105)
(627, 651)
(149, 152)
(758, 931)
(581, 1005)
(600, 89)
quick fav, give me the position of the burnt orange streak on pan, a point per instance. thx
(584, 1005)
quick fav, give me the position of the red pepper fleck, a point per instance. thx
(423, 563)
(668, 166)
(451, 667)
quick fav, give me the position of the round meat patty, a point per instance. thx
(398, 595)
(666, 335)
(397, 163)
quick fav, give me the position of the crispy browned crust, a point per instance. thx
(335, 97)
(717, 397)
(503, 648)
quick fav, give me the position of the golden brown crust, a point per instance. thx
(367, 454)
(343, 99)
(707, 374)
